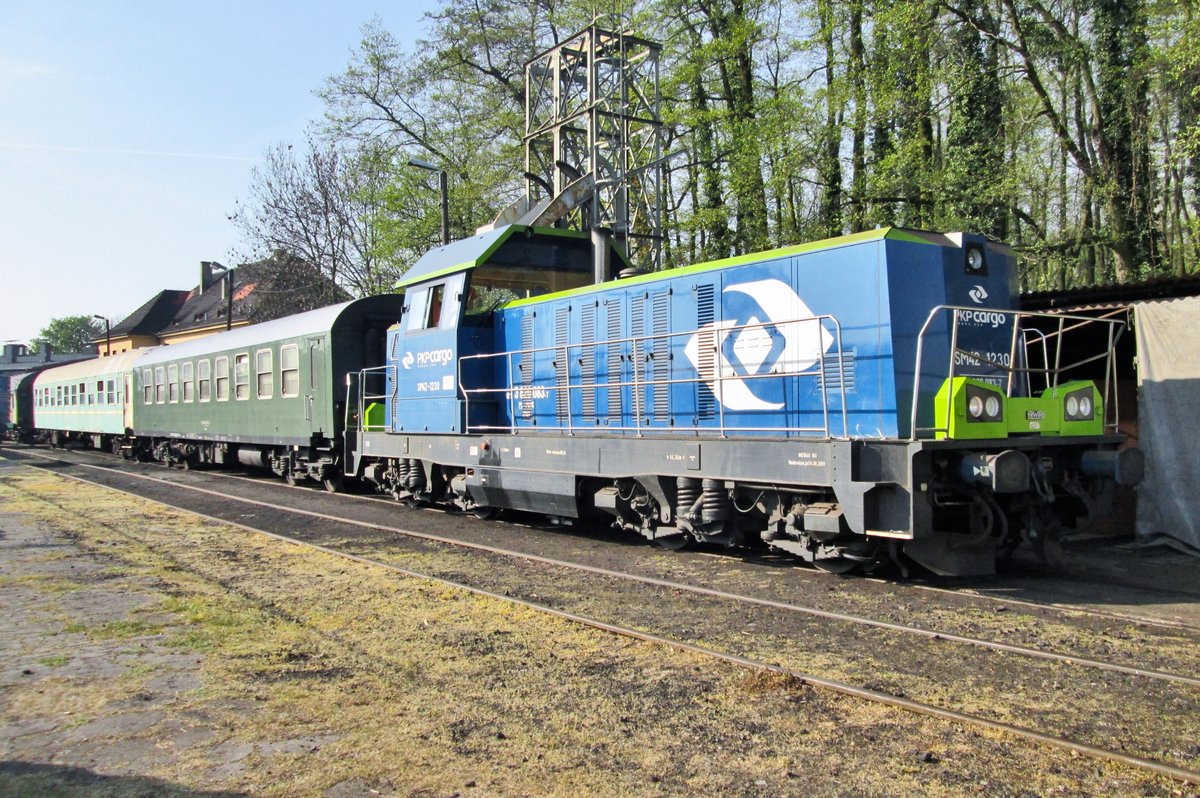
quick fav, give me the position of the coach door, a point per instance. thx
(127, 403)
(317, 390)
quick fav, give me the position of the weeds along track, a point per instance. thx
(1113, 710)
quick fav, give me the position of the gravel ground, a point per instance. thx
(149, 652)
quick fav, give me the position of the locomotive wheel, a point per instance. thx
(484, 513)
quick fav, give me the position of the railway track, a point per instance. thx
(1115, 684)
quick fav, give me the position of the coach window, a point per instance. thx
(147, 386)
(241, 376)
(204, 380)
(110, 391)
(289, 370)
(222, 379)
(189, 387)
(85, 398)
(173, 382)
(58, 396)
(160, 384)
(264, 374)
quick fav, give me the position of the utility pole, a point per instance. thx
(444, 184)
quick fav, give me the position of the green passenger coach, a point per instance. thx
(86, 400)
(267, 395)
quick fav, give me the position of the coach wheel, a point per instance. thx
(675, 542)
(290, 477)
(484, 513)
(333, 483)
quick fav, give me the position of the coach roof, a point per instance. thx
(311, 322)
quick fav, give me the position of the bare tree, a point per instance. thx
(319, 204)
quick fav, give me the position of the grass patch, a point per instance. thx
(55, 661)
(127, 627)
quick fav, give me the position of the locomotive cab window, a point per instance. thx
(434, 307)
(241, 376)
(289, 370)
(222, 379)
(263, 371)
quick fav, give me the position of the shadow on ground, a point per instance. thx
(33, 780)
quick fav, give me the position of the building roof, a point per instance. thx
(152, 316)
(17, 358)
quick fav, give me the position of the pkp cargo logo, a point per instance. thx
(408, 360)
(978, 294)
(768, 329)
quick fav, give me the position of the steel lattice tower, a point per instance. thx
(592, 119)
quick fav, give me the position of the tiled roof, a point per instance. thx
(152, 316)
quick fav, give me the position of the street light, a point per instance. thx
(445, 187)
(107, 334)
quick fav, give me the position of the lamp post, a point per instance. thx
(444, 184)
(107, 334)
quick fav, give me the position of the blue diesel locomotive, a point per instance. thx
(866, 398)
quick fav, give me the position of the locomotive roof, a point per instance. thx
(307, 323)
(890, 233)
(93, 367)
(467, 253)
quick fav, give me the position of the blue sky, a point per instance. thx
(128, 130)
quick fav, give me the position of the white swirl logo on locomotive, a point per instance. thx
(430, 357)
(768, 329)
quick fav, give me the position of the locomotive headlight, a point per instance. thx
(1079, 405)
(984, 404)
(974, 259)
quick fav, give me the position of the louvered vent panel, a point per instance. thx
(829, 374)
(706, 402)
(614, 360)
(587, 360)
(660, 370)
(562, 364)
(525, 366)
(637, 330)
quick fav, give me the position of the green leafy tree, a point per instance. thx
(70, 334)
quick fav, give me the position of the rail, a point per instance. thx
(1023, 343)
(714, 376)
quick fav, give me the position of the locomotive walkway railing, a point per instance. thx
(1027, 359)
(714, 374)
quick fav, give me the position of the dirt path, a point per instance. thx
(150, 652)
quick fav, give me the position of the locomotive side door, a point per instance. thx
(316, 389)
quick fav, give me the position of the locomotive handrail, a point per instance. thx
(640, 351)
(1018, 345)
